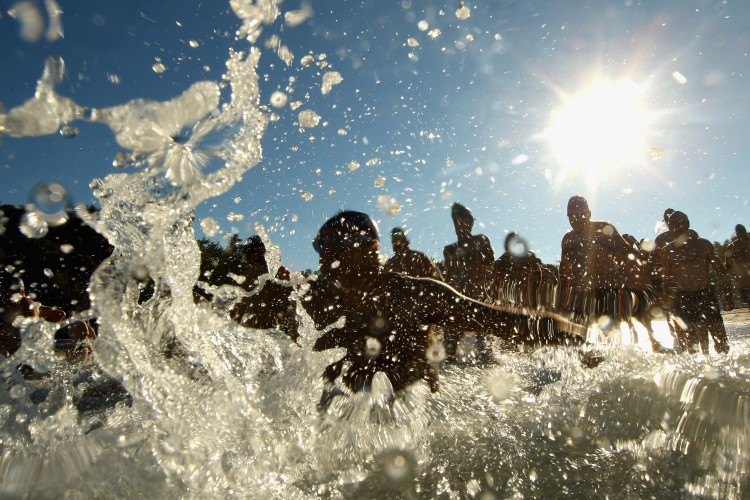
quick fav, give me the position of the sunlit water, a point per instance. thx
(237, 413)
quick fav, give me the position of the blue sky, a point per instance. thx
(434, 107)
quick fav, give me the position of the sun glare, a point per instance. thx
(600, 130)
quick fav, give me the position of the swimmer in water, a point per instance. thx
(388, 315)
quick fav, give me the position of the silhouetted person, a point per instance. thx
(387, 316)
(666, 236)
(468, 261)
(517, 274)
(468, 269)
(269, 304)
(686, 263)
(641, 285)
(737, 260)
(408, 261)
(591, 265)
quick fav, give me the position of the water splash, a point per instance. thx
(218, 409)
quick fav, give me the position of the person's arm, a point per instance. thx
(721, 271)
(444, 306)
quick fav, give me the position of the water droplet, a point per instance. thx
(159, 68)
(389, 205)
(306, 195)
(372, 347)
(308, 118)
(66, 248)
(48, 272)
(435, 353)
(194, 43)
(518, 247)
(32, 226)
(352, 165)
(398, 465)
(463, 11)
(210, 227)
(329, 80)
(278, 99)
(18, 391)
(49, 202)
(69, 131)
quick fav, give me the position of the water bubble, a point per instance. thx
(69, 131)
(398, 465)
(49, 202)
(648, 245)
(423, 25)
(518, 247)
(278, 99)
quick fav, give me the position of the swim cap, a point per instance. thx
(578, 204)
(344, 230)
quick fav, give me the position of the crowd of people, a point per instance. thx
(404, 317)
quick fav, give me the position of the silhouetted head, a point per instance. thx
(254, 248)
(463, 220)
(678, 222)
(578, 211)
(740, 231)
(667, 213)
(399, 240)
(346, 230)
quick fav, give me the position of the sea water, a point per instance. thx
(236, 412)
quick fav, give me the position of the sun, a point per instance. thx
(601, 130)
